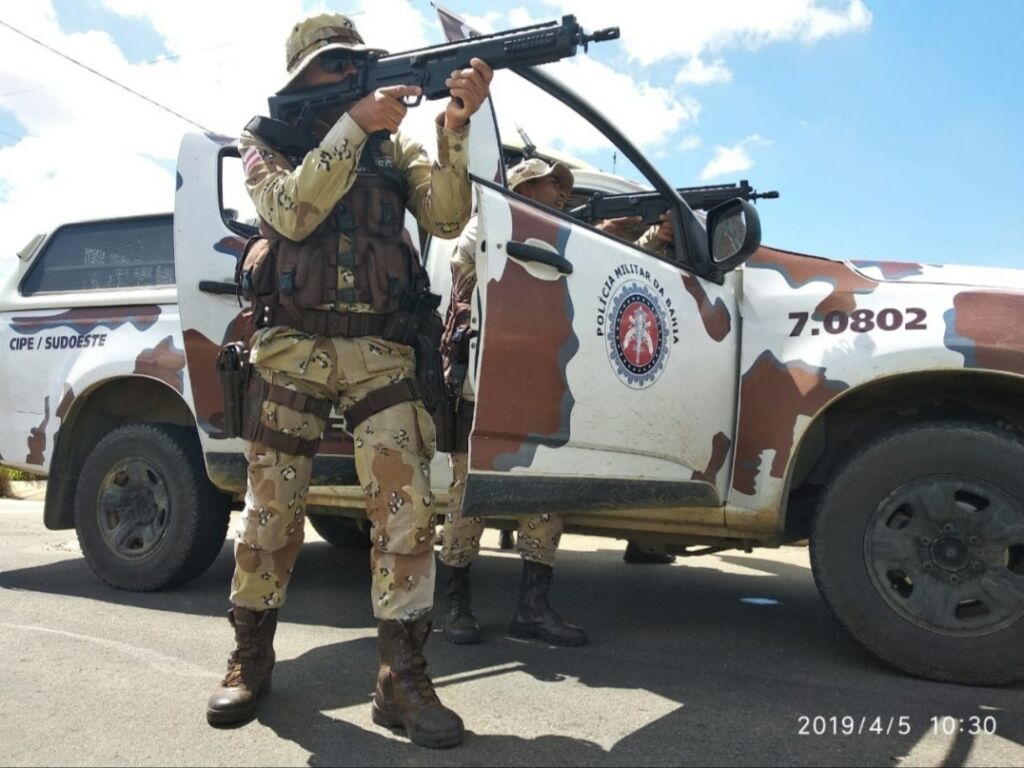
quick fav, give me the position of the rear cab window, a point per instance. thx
(106, 255)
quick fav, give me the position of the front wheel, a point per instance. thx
(918, 549)
(146, 514)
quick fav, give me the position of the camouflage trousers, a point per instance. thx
(536, 540)
(392, 454)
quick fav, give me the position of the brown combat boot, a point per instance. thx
(460, 625)
(249, 668)
(535, 617)
(405, 696)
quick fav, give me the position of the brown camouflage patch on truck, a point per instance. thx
(164, 362)
(201, 354)
(231, 245)
(530, 224)
(716, 318)
(37, 438)
(892, 270)
(985, 327)
(772, 396)
(525, 400)
(800, 270)
(720, 445)
(336, 441)
(88, 319)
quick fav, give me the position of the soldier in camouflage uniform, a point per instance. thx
(330, 210)
(538, 535)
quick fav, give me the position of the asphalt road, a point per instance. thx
(712, 661)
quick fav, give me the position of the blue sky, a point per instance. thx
(912, 148)
(897, 140)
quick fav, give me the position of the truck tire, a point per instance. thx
(146, 514)
(918, 550)
(339, 532)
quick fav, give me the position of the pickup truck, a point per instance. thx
(872, 407)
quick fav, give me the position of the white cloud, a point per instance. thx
(652, 31)
(93, 150)
(689, 143)
(735, 159)
(696, 72)
(646, 113)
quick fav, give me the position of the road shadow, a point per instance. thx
(310, 689)
(732, 661)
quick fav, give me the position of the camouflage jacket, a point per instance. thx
(295, 199)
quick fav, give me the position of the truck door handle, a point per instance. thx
(218, 289)
(544, 256)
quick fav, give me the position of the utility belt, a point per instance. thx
(416, 324)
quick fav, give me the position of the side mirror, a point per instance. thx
(734, 234)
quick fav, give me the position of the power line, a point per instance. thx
(23, 90)
(105, 77)
(157, 60)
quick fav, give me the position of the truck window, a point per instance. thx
(236, 207)
(105, 255)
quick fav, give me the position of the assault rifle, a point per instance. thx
(650, 205)
(430, 67)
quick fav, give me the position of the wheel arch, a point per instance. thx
(91, 415)
(864, 412)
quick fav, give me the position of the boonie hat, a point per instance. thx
(316, 34)
(535, 168)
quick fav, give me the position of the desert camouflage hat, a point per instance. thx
(316, 34)
(535, 168)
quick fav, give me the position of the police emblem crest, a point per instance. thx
(637, 335)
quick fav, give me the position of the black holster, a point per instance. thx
(417, 324)
(233, 370)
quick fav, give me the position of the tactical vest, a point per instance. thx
(295, 283)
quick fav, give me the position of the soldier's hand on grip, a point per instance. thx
(618, 226)
(383, 109)
(665, 233)
(469, 88)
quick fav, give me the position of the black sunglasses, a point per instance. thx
(339, 61)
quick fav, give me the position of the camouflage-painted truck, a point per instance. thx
(872, 407)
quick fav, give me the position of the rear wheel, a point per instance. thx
(146, 514)
(340, 532)
(918, 549)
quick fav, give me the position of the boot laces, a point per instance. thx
(461, 602)
(239, 662)
(417, 678)
(421, 682)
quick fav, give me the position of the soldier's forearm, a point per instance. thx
(296, 201)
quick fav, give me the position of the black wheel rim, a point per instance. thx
(947, 554)
(133, 508)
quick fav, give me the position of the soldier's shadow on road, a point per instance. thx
(321, 702)
(731, 660)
